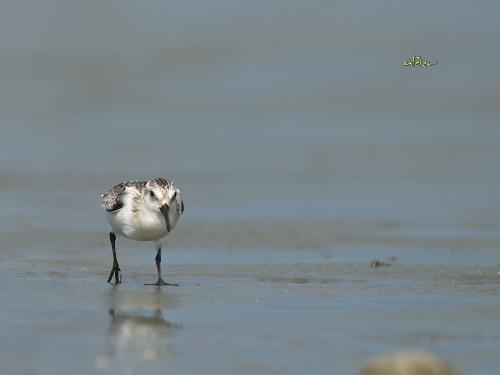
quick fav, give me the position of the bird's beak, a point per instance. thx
(164, 211)
(182, 206)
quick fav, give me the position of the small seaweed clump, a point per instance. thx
(378, 263)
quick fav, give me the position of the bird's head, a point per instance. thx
(162, 195)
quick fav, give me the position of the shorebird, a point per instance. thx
(142, 211)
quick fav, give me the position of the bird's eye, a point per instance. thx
(175, 194)
(152, 194)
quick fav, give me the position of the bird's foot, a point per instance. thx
(116, 272)
(161, 282)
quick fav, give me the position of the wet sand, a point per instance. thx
(275, 307)
(338, 205)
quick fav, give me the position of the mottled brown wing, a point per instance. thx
(112, 199)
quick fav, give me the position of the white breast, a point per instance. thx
(141, 225)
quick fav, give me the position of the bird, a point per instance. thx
(142, 211)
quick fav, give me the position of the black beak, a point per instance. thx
(164, 210)
(182, 207)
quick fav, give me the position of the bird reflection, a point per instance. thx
(138, 329)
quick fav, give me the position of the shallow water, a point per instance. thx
(277, 311)
(304, 151)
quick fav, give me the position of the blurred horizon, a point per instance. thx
(255, 109)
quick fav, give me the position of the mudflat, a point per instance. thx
(338, 205)
(302, 298)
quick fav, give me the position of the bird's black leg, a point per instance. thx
(158, 268)
(116, 268)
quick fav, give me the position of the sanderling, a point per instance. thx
(142, 211)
